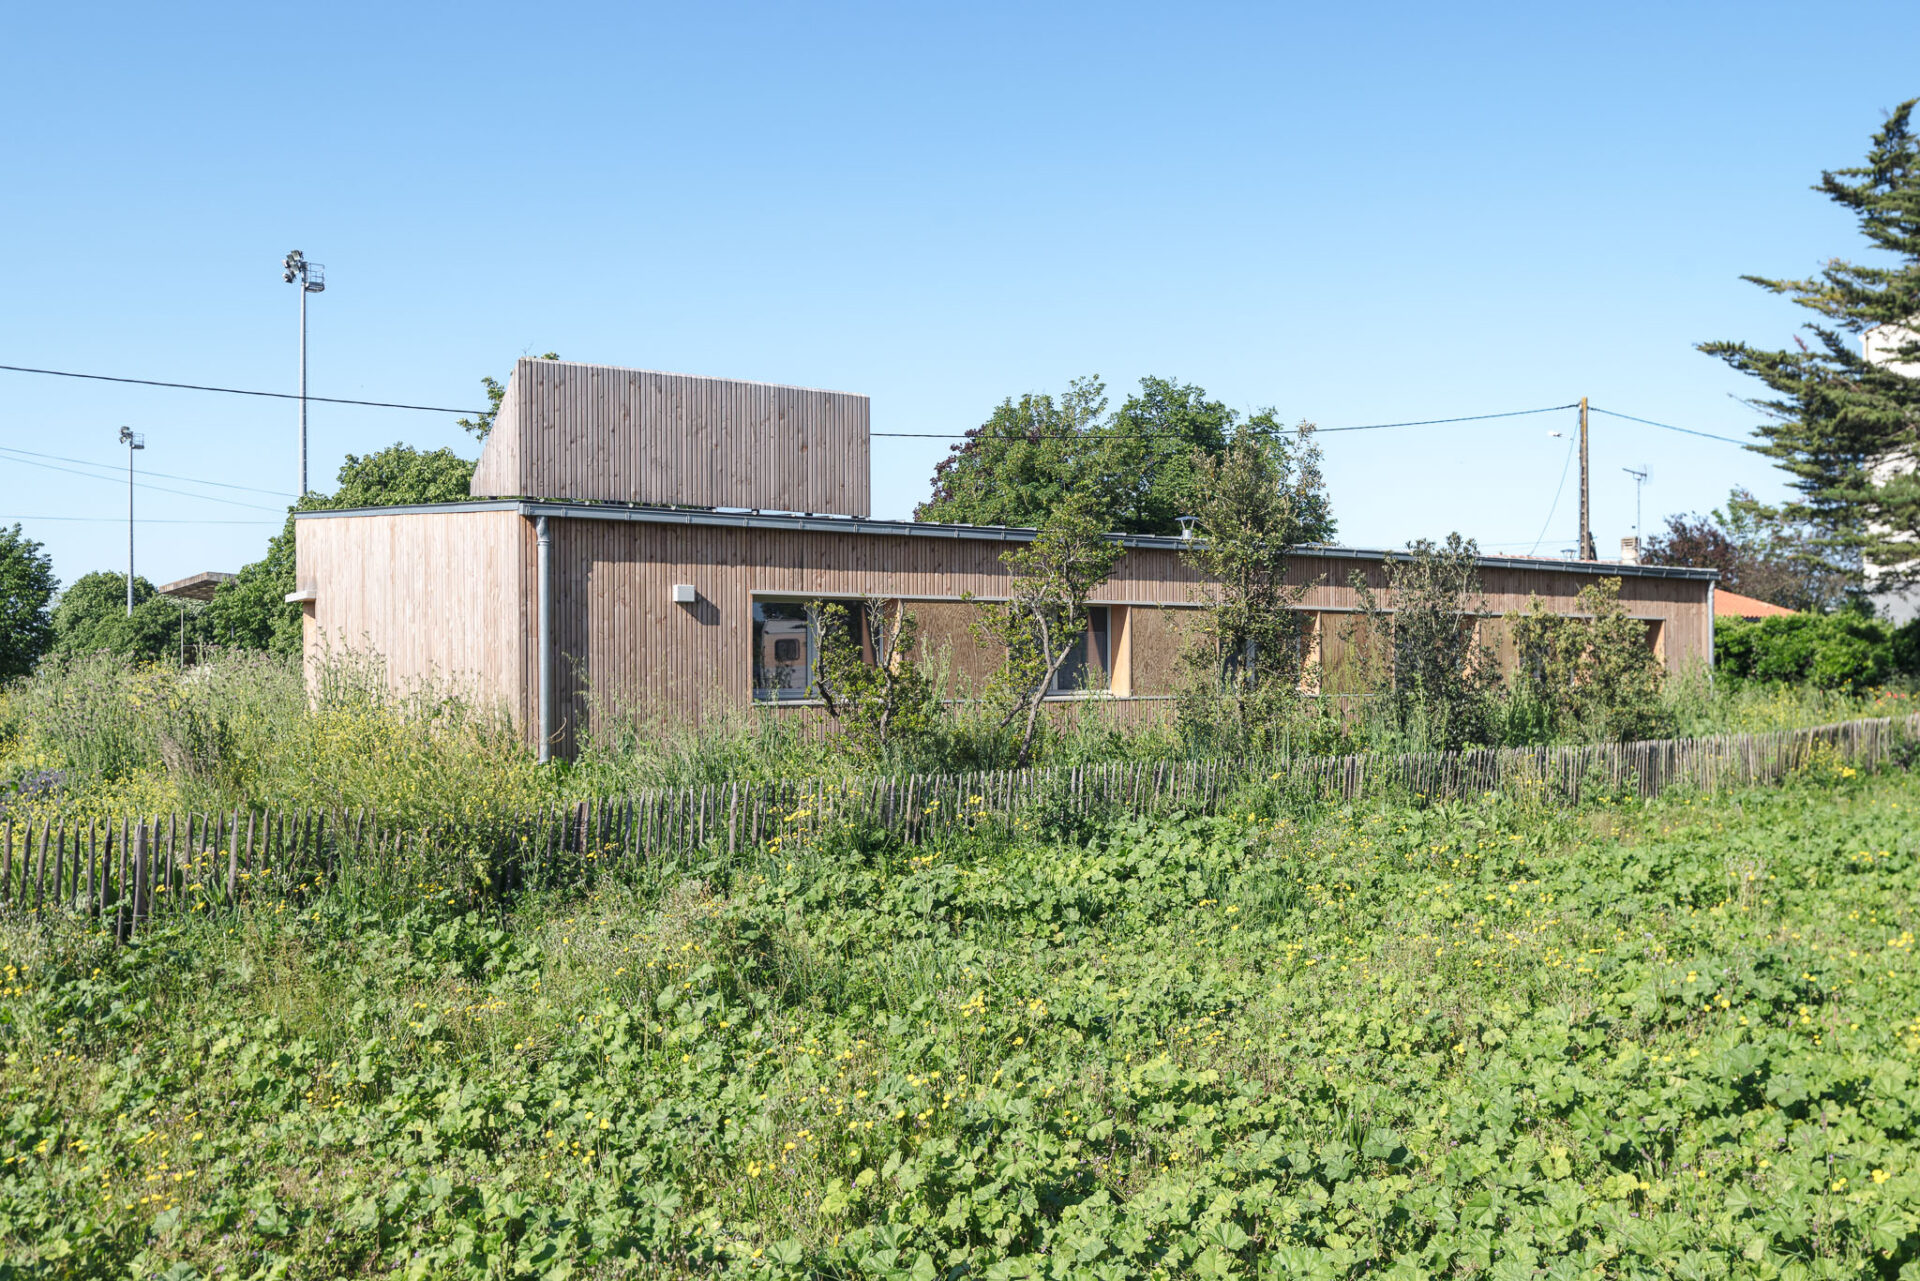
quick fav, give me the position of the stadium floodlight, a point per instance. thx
(312, 278)
(132, 440)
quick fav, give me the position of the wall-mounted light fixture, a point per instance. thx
(684, 594)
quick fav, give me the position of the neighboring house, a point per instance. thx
(656, 539)
(1728, 604)
(1880, 344)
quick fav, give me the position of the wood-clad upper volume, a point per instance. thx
(602, 434)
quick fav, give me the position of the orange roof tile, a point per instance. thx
(1728, 604)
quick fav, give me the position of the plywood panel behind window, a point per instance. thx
(947, 643)
(1154, 639)
(1497, 635)
(1347, 649)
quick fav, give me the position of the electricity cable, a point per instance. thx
(884, 435)
(1685, 431)
(239, 391)
(1559, 489)
(1423, 422)
(163, 489)
(142, 520)
(192, 480)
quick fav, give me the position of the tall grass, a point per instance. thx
(113, 737)
(101, 736)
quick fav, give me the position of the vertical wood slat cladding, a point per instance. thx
(498, 470)
(451, 595)
(594, 432)
(440, 597)
(948, 646)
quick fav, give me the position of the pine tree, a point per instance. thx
(1844, 426)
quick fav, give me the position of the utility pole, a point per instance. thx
(132, 440)
(312, 278)
(1587, 549)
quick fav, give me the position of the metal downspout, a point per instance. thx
(1712, 620)
(545, 633)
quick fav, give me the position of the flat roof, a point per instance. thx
(196, 586)
(811, 523)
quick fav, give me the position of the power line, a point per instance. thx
(144, 520)
(239, 391)
(205, 498)
(1423, 422)
(883, 435)
(192, 480)
(1559, 489)
(1685, 431)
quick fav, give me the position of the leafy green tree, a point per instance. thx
(1256, 502)
(1137, 466)
(251, 611)
(1018, 465)
(1845, 650)
(27, 586)
(883, 700)
(91, 616)
(1760, 551)
(482, 424)
(1045, 613)
(1845, 427)
(1437, 682)
(1592, 676)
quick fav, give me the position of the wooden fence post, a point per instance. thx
(39, 867)
(233, 861)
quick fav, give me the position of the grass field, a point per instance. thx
(1680, 1039)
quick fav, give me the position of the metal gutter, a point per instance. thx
(808, 523)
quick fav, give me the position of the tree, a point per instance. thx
(27, 585)
(1844, 426)
(1437, 683)
(1592, 675)
(1018, 465)
(91, 616)
(1256, 502)
(1045, 613)
(251, 611)
(1760, 551)
(481, 424)
(1137, 466)
(867, 677)
(1836, 651)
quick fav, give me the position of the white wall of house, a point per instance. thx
(1879, 345)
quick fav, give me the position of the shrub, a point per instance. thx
(884, 703)
(1593, 676)
(1830, 651)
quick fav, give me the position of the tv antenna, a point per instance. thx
(1641, 475)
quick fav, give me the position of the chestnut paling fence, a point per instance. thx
(125, 871)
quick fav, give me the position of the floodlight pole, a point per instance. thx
(129, 528)
(132, 440)
(303, 390)
(311, 277)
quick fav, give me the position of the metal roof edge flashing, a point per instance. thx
(828, 524)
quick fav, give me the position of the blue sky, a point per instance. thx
(1354, 213)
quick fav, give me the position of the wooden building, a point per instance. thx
(662, 612)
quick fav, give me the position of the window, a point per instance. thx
(783, 651)
(1087, 668)
(786, 646)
